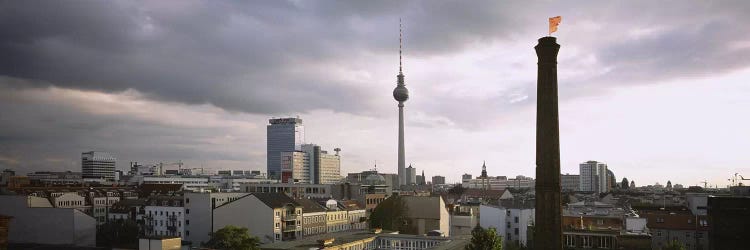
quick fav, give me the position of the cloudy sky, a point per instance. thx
(659, 91)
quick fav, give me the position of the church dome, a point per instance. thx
(374, 179)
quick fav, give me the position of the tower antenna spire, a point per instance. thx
(400, 34)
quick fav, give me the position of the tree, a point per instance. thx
(625, 183)
(484, 239)
(235, 238)
(674, 245)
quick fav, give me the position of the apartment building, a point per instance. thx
(274, 217)
(164, 216)
(511, 218)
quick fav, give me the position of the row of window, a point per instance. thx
(587, 241)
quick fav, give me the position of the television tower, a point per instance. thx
(401, 94)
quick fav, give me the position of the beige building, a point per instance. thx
(313, 218)
(427, 213)
(295, 167)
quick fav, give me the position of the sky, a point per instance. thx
(657, 90)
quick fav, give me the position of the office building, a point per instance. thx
(282, 135)
(324, 168)
(438, 180)
(411, 176)
(593, 177)
(295, 167)
(98, 165)
(570, 182)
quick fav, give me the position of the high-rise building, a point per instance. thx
(465, 177)
(295, 167)
(282, 135)
(411, 175)
(570, 182)
(401, 94)
(97, 165)
(323, 168)
(421, 179)
(438, 180)
(594, 177)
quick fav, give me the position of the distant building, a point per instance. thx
(98, 165)
(438, 180)
(295, 167)
(593, 177)
(282, 135)
(421, 179)
(602, 226)
(499, 182)
(55, 178)
(411, 175)
(570, 182)
(323, 168)
(465, 177)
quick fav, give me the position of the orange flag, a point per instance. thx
(553, 22)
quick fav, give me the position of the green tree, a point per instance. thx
(674, 245)
(484, 239)
(234, 238)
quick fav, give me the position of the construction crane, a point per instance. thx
(705, 183)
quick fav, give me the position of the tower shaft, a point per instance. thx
(548, 221)
(401, 151)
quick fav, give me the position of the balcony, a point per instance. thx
(289, 217)
(290, 228)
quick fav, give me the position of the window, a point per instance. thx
(187, 211)
(187, 232)
(278, 236)
(507, 225)
(658, 233)
(516, 231)
(516, 219)
(187, 222)
(277, 225)
(659, 220)
(600, 222)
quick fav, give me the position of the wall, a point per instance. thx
(247, 212)
(53, 226)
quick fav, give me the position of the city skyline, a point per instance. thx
(656, 98)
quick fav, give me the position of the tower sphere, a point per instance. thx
(401, 94)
